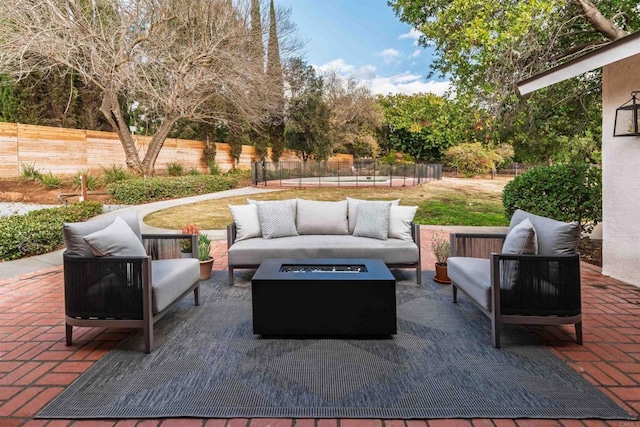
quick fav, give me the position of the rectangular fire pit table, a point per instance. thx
(323, 297)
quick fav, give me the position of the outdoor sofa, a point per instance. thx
(298, 228)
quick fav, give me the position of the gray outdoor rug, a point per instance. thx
(441, 364)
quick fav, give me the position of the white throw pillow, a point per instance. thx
(521, 239)
(372, 220)
(314, 217)
(247, 221)
(400, 218)
(352, 210)
(277, 219)
(117, 239)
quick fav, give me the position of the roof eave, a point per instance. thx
(612, 52)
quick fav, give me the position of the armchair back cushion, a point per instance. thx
(554, 237)
(74, 233)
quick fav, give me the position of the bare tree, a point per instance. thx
(180, 59)
(356, 115)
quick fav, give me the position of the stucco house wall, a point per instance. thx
(620, 177)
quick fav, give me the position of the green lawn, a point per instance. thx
(453, 201)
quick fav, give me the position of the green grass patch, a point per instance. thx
(461, 211)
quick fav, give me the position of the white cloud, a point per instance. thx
(389, 55)
(415, 53)
(413, 34)
(366, 72)
(407, 84)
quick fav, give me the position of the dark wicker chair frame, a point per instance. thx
(415, 235)
(124, 297)
(546, 290)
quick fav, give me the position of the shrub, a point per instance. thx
(175, 169)
(239, 173)
(563, 192)
(28, 172)
(50, 181)
(142, 190)
(39, 232)
(194, 171)
(115, 173)
(470, 159)
(213, 168)
(90, 180)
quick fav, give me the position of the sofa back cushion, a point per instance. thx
(74, 232)
(554, 237)
(314, 217)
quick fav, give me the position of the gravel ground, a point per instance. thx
(11, 208)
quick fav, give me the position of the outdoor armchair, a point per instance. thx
(531, 275)
(133, 281)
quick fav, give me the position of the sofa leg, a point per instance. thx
(230, 276)
(579, 332)
(495, 331)
(455, 293)
(196, 295)
(69, 333)
(418, 275)
(148, 336)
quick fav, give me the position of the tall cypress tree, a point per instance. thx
(274, 71)
(257, 137)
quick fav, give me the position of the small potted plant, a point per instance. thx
(204, 255)
(185, 244)
(441, 249)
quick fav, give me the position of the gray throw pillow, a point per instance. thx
(372, 220)
(117, 239)
(74, 232)
(313, 217)
(554, 237)
(277, 219)
(521, 239)
(352, 210)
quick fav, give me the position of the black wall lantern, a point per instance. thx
(626, 123)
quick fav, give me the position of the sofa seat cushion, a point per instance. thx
(391, 251)
(171, 278)
(473, 276)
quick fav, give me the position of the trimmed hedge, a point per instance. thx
(143, 190)
(564, 192)
(39, 232)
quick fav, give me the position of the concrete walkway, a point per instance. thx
(40, 262)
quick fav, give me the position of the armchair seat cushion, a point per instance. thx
(473, 276)
(170, 278)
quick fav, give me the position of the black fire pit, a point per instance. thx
(323, 297)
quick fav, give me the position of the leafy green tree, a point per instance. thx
(485, 48)
(308, 115)
(425, 125)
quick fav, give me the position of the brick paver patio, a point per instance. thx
(35, 364)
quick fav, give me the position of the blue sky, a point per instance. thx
(364, 38)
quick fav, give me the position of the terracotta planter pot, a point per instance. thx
(205, 269)
(441, 274)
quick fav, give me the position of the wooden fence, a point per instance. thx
(66, 151)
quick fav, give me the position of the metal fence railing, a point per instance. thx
(360, 172)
